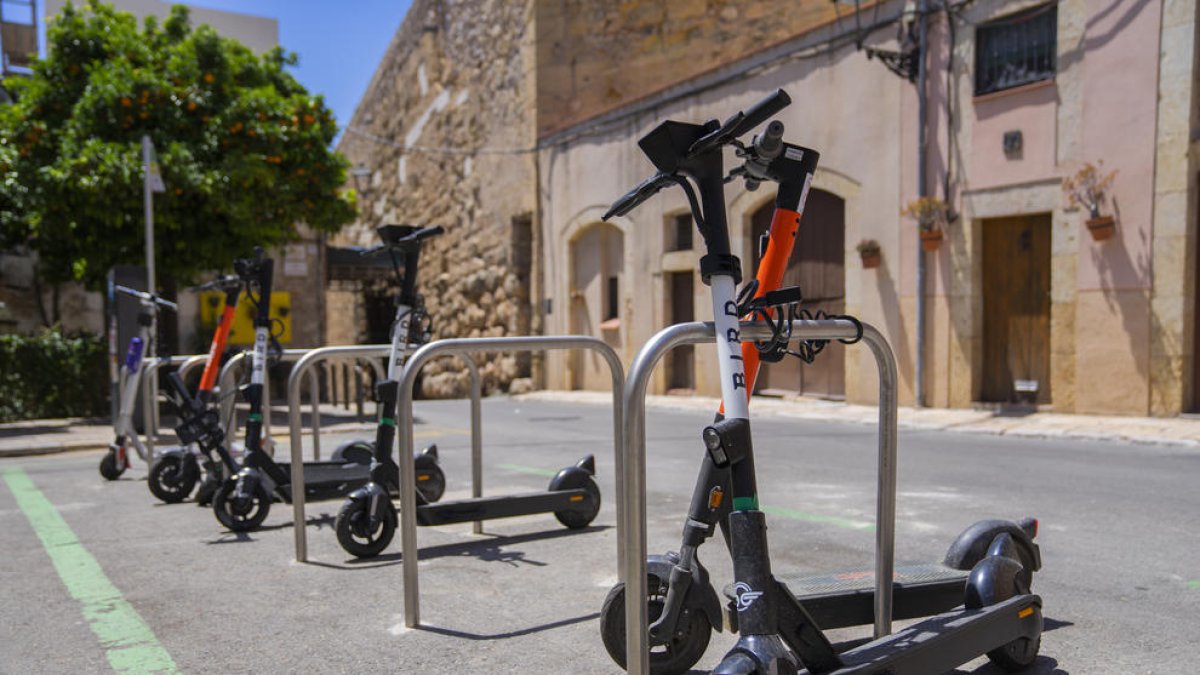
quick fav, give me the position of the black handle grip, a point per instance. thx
(644, 190)
(769, 143)
(762, 111)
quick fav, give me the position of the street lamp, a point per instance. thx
(362, 178)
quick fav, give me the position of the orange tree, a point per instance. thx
(243, 148)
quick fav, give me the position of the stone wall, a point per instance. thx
(598, 55)
(446, 130)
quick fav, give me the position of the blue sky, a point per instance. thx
(339, 42)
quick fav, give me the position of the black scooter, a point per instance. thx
(978, 598)
(175, 471)
(243, 501)
(367, 520)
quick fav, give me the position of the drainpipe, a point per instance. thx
(922, 191)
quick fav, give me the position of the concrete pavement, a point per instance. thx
(1121, 584)
(37, 437)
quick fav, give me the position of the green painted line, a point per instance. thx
(745, 503)
(535, 470)
(1194, 585)
(128, 642)
(818, 518)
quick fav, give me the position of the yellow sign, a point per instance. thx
(212, 306)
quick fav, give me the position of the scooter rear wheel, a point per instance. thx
(354, 531)
(173, 477)
(685, 648)
(241, 514)
(110, 467)
(581, 516)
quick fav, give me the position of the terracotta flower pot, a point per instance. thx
(1101, 228)
(871, 260)
(930, 240)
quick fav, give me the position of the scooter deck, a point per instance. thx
(329, 480)
(946, 641)
(492, 508)
(846, 598)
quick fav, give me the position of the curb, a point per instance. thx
(1172, 432)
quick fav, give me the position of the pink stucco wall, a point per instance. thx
(1120, 90)
(1032, 110)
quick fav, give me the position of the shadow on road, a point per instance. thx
(488, 550)
(511, 634)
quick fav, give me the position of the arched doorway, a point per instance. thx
(597, 258)
(817, 265)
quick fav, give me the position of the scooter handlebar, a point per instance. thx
(146, 297)
(644, 190)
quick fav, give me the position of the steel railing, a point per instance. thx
(404, 433)
(633, 556)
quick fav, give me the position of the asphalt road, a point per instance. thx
(1119, 524)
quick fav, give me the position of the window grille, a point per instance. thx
(1016, 50)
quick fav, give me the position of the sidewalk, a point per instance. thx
(46, 437)
(1150, 430)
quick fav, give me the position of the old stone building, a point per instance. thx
(1021, 301)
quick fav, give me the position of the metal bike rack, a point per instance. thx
(404, 433)
(227, 382)
(633, 559)
(149, 384)
(304, 366)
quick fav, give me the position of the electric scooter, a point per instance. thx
(367, 520)
(243, 500)
(116, 460)
(987, 573)
(176, 470)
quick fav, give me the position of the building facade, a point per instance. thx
(1021, 301)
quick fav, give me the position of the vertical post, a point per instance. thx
(476, 436)
(314, 388)
(922, 191)
(150, 409)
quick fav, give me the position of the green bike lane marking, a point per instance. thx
(534, 470)
(793, 514)
(860, 525)
(129, 644)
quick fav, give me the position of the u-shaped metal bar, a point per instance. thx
(634, 404)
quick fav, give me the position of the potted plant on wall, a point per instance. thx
(871, 254)
(1088, 189)
(932, 216)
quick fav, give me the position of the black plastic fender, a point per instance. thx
(426, 459)
(997, 577)
(972, 545)
(354, 452)
(176, 451)
(701, 594)
(574, 476)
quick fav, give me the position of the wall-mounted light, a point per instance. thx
(1013, 143)
(362, 178)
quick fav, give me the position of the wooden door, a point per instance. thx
(1016, 308)
(597, 264)
(817, 265)
(681, 286)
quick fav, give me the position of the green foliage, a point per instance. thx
(243, 148)
(52, 375)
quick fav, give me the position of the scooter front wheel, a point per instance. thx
(173, 477)
(686, 646)
(111, 467)
(241, 513)
(355, 533)
(582, 514)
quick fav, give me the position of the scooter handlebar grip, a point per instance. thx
(769, 143)
(763, 110)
